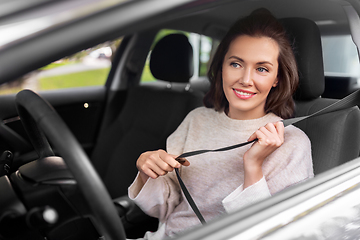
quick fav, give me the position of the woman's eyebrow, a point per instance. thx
(265, 62)
(258, 63)
(237, 58)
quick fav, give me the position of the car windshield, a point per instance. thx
(18, 26)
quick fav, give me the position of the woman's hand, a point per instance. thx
(157, 163)
(270, 138)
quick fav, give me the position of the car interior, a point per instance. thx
(334, 136)
(118, 133)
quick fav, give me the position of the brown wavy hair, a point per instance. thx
(260, 23)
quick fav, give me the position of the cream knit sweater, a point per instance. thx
(215, 179)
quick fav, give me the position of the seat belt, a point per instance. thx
(347, 102)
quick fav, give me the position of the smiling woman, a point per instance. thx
(248, 70)
(280, 99)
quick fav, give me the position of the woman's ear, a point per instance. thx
(275, 82)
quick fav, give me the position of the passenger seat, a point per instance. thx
(335, 137)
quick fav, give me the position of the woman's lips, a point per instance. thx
(242, 94)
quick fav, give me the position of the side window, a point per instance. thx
(207, 48)
(340, 56)
(341, 66)
(203, 48)
(89, 67)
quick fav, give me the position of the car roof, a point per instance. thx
(329, 15)
(75, 25)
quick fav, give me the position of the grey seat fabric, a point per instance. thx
(335, 137)
(148, 117)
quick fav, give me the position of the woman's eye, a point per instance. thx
(262, 69)
(235, 65)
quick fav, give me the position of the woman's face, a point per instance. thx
(249, 71)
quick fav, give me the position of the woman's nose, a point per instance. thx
(246, 78)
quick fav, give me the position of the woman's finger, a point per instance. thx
(183, 161)
(186, 163)
(273, 131)
(151, 169)
(270, 127)
(153, 165)
(261, 133)
(252, 137)
(281, 130)
(169, 159)
(162, 164)
(159, 170)
(150, 173)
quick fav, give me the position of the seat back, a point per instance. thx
(335, 137)
(148, 116)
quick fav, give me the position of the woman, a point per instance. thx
(253, 76)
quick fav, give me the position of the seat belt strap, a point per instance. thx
(189, 198)
(347, 102)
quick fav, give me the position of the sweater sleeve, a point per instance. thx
(157, 198)
(287, 166)
(242, 197)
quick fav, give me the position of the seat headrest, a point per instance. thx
(306, 40)
(172, 59)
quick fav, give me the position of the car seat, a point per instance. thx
(149, 115)
(335, 137)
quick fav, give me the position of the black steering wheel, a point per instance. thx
(41, 123)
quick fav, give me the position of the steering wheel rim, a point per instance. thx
(42, 123)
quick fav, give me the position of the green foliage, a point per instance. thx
(78, 79)
(58, 64)
(146, 74)
(5, 89)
